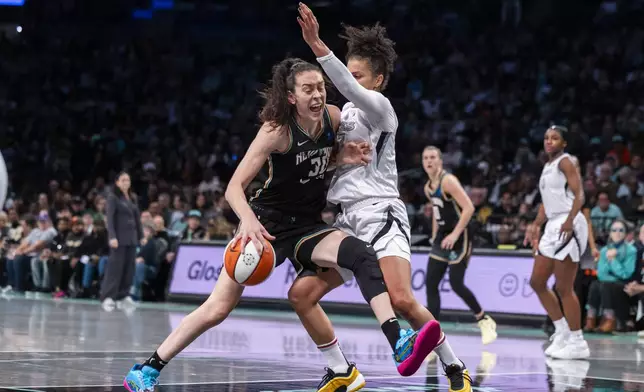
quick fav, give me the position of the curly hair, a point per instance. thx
(372, 44)
(277, 110)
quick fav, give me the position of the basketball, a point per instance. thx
(249, 268)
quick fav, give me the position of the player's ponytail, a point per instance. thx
(277, 110)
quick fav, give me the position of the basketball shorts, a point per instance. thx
(295, 237)
(553, 247)
(461, 250)
(383, 223)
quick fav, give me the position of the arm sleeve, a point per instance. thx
(373, 103)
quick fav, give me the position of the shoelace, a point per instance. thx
(408, 335)
(330, 374)
(457, 376)
(149, 382)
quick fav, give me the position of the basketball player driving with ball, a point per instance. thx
(291, 153)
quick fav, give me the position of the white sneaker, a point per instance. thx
(108, 305)
(7, 289)
(488, 330)
(126, 303)
(558, 340)
(575, 348)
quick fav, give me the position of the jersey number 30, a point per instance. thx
(319, 166)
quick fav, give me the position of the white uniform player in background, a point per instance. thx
(560, 248)
(368, 195)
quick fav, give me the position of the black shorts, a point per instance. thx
(295, 237)
(459, 252)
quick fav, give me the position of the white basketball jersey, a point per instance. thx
(557, 198)
(379, 178)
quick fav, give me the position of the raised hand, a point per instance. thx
(309, 24)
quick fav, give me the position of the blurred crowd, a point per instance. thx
(174, 102)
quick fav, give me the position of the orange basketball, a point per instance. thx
(249, 268)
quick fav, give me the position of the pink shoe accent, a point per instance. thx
(126, 386)
(59, 294)
(425, 343)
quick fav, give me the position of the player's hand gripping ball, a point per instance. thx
(249, 268)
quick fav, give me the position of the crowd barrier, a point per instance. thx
(500, 280)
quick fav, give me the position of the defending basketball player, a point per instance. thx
(291, 153)
(560, 248)
(451, 240)
(368, 195)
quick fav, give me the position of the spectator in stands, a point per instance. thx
(72, 245)
(88, 223)
(4, 245)
(636, 287)
(40, 239)
(15, 262)
(194, 231)
(605, 212)
(615, 269)
(605, 183)
(147, 262)
(220, 229)
(125, 234)
(58, 260)
(424, 220)
(94, 253)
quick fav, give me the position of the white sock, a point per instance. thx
(577, 335)
(561, 326)
(334, 356)
(445, 353)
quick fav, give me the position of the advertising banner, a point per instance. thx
(501, 283)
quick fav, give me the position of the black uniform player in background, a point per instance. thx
(451, 240)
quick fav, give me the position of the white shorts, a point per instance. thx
(383, 223)
(553, 247)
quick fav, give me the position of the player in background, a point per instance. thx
(368, 195)
(560, 248)
(451, 240)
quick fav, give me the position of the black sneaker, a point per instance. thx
(459, 378)
(350, 381)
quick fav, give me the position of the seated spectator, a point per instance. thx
(40, 238)
(220, 229)
(147, 262)
(636, 287)
(57, 248)
(615, 268)
(424, 220)
(605, 212)
(66, 261)
(4, 244)
(194, 231)
(15, 274)
(93, 253)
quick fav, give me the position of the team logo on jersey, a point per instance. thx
(452, 256)
(346, 127)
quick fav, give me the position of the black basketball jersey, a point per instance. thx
(294, 180)
(445, 209)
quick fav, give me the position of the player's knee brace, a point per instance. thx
(360, 258)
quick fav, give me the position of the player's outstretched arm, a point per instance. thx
(268, 140)
(372, 102)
